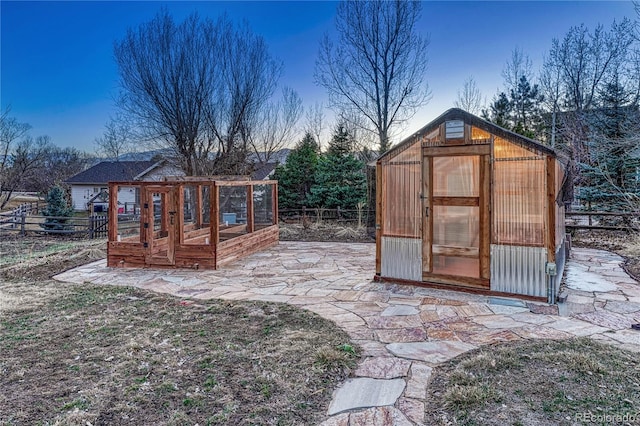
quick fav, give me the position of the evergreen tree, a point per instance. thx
(526, 101)
(520, 111)
(340, 177)
(57, 209)
(296, 177)
(499, 111)
(610, 170)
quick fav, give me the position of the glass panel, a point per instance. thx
(518, 202)
(505, 149)
(479, 134)
(401, 193)
(158, 201)
(206, 204)
(194, 232)
(456, 176)
(458, 266)
(233, 211)
(262, 206)
(456, 226)
(128, 210)
(432, 138)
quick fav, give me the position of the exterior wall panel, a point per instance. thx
(518, 269)
(402, 258)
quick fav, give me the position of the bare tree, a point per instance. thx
(117, 138)
(470, 98)
(276, 125)
(575, 73)
(24, 162)
(11, 132)
(377, 68)
(518, 66)
(196, 87)
(315, 123)
(585, 58)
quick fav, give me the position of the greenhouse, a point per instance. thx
(464, 203)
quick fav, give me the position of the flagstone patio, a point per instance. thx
(404, 331)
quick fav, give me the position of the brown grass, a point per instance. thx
(112, 355)
(541, 382)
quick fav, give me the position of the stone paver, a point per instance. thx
(366, 392)
(403, 331)
(383, 368)
(430, 352)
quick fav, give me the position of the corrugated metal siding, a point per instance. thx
(519, 270)
(402, 258)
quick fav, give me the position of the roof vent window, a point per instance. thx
(454, 129)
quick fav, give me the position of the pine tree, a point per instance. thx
(296, 177)
(526, 101)
(57, 209)
(610, 171)
(499, 111)
(519, 111)
(340, 177)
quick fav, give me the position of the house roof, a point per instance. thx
(263, 170)
(107, 171)
(458, 114)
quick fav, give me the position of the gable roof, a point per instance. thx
(263, 170)
(107, 171)
(468, 118)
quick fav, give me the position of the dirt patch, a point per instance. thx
(539, 382)
(84, 354)
(41, 257)
(325, 232)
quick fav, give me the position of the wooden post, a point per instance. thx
(179, 208)
(378, 218)
(250, 215)
(215, 216)
(23, 217)
(551, 208)
(113, 212)
(198, 212)
(274, 197)
(91, 227)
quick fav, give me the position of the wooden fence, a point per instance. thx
(358, 217)
(618, 221)
(94, 226)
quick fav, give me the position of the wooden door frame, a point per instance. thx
(484, 204)
(170, 222)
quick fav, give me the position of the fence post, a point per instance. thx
(23, 218)
(91, 226)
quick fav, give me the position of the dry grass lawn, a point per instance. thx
(541, 382)
(112, 355)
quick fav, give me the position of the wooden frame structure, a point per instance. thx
(193, 222)
(468, 204)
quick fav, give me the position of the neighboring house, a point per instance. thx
(91, 185)
(263, 171)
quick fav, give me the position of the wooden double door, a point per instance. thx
(455, 215)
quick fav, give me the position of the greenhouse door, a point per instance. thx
(456, 215)
(160, 224)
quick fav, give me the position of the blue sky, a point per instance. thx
(57, 70)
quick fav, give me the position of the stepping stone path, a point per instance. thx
(403, 331)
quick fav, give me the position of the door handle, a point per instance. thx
(426, 211)
(171, 215)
